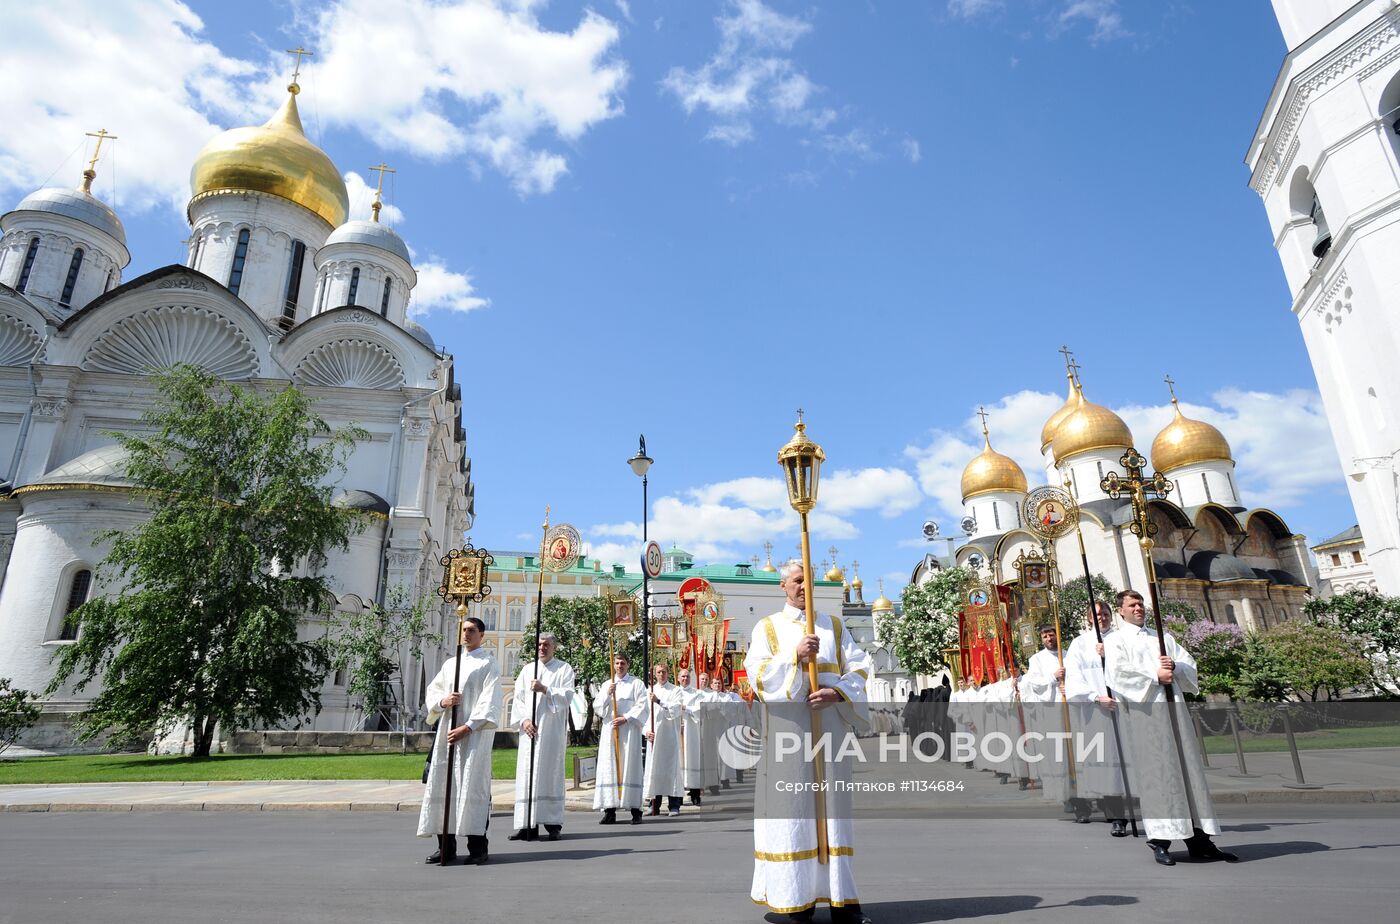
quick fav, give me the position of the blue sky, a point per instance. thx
(689, 218)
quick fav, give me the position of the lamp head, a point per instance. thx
(801, 461)
(641, 461)
(1357, 474)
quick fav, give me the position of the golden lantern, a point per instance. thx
(801, 460)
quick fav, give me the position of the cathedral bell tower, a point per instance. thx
(1325, 160)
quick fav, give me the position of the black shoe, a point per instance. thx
(1160, 852)
(799, 917)
(695, 797)
(474, 860)
(724, 783)
(525, 834)
(1023, 784)
(451, 845)
(609, 817)
(714, 790)
(851, 914)
(1120, 828)
(1201, 847)
(554, 832)
(655, 808)
(740, 776)
(476, 850)
(636, 816)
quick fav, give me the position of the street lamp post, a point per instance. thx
(640, 463)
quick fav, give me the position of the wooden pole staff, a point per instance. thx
(447, 831)
(534, 697)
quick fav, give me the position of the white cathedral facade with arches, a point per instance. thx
(1325, 160)
(278, 287)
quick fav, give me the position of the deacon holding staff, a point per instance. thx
(621, 787)
(1044, 685)
(547, 698)
(1086, 689)
(477, 700)
(788, 876)
(663, 772)
(1138, 674)
(692, 732)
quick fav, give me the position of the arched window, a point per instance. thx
(29, 256)
(384, 301)
(322, 282)
(1230, 614)
(289, 298)
(71, 282)
(354, 285)
(78, 589)
(517, 616)
(1302, 198)
(111, 280)
(240, 259)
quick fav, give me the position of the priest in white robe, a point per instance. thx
(1139, 674)
(1042, 692)
(692, 733)
(478, 712)
(540, 712)
(620, 786)
(709, 733)
(787, 877)
(1100, 768)
(663, 771)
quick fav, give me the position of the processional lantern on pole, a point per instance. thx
(801, 461)
(1138, 486)
(463, 581)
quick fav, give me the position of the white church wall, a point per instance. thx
(1204, 483)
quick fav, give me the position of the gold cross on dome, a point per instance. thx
(1171, 386)
(982, 412)
(300, 53)
(90, 173)
(382, 168)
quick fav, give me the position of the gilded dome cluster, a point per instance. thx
(275, 158)
(1088, 426)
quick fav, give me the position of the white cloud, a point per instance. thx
(1102, 15)
(440, 288)
(362, 197)
(967, 9)
(729, 521)
(912, 150)
(143, 70)
(748, 74)
(478, 79)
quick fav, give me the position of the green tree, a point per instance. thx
(1073, 600)
(366, 644)
(19, 709)
(1305, 659)
(580, 624)
(927, 622)
(1375, 620)
(222, 572)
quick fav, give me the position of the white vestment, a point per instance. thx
(663, 773)
(786, 876)
(711, 722)
(726, 707)
(480, 709)
(692, 732)
(551, 711)
(632, 706)
(1040, 691)
(1154, 765)
(1099, 771)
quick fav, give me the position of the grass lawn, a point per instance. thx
(1384, 736)
(125, 768)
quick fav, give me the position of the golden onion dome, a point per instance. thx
(1052, 424)
(769, 567)
(1185, 441)
(275, 158)
(857, 583)
(991, 471)
(836, 574)
(1089, 426)
(882, 603)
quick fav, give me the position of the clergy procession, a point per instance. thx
(1093, 727)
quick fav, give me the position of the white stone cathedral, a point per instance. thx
(1231, 564)
(1325, 158)
(278, 287)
